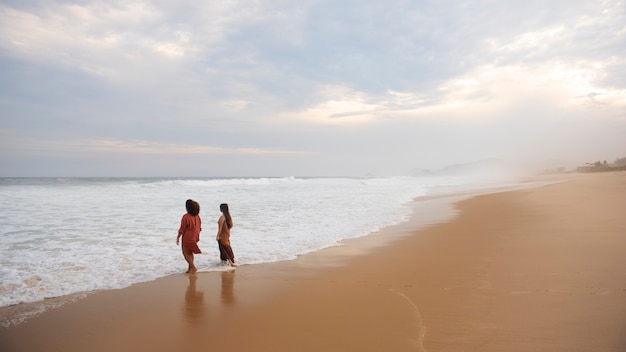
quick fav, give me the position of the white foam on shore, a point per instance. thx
(62, 237)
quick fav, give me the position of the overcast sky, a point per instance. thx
(307, 87)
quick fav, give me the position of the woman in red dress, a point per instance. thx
(190, 227)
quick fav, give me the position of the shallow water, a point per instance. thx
(63, 236)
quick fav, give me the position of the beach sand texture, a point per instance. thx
(541, 269)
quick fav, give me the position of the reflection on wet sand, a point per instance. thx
(228, 284)
(194, 308)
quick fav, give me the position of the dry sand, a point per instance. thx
(542, 269)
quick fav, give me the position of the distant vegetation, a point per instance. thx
(602, 166)
(598, 166)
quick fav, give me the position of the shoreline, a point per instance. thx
(107, 254)
(525, 279)
(422, 215)
(425, 211)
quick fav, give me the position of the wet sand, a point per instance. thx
(541, 269)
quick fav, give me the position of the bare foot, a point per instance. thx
(193, 271)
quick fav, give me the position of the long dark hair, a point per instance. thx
(193, 207)
(226, 212)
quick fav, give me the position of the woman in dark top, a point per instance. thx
(224, 224)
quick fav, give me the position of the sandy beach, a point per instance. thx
(541, 269)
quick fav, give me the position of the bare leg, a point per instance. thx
(185, 256)
(192, 266)
(188, 254)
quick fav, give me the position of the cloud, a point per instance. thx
(24, 146)
(279, 77)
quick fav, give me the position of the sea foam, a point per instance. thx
(63, 236)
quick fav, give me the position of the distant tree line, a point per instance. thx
(600, 166)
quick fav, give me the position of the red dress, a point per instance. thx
(190, 227)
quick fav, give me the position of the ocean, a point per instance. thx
(61, 236)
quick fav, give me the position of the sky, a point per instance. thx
(307, 88)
